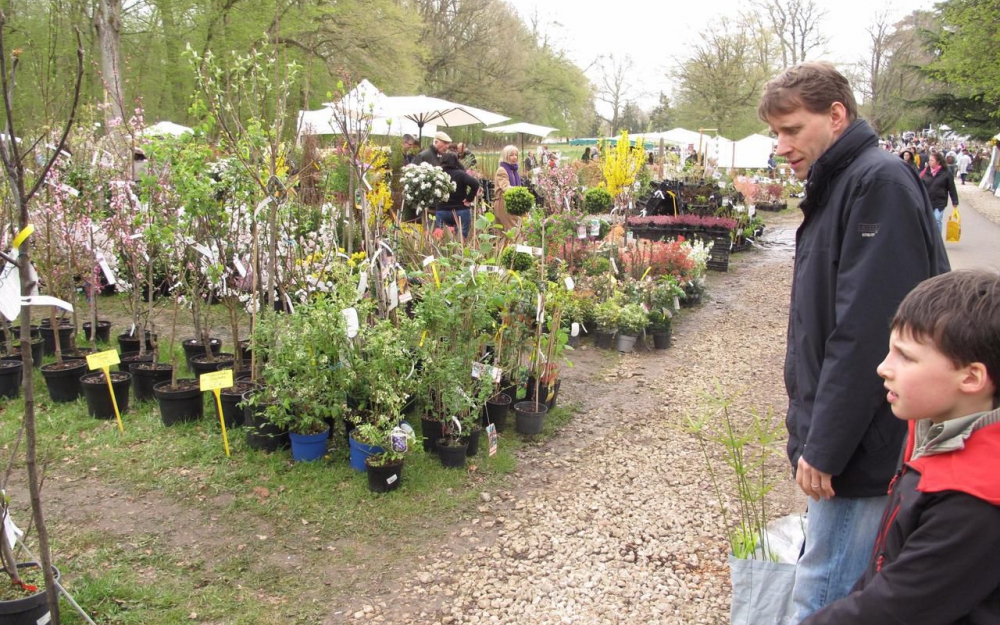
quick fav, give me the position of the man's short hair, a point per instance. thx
(409, 139)
(813, 85)
(960, 312)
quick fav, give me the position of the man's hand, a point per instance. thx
(813, 482)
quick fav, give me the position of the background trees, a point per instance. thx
(475, 51)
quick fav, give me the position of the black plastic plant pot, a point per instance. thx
(549, 392)
(383, 478)
(200, 363)
(10, 378)
(193, 347)
(145, 375)
(181, 404)
(604, 340)
(63, 380)
(29, 610)
(232, 400)
(496, 410)
(66, 333)
(103, 331)
(129, 343)
(473, 441)
(530, 417)
(452, 452)
(431, 430)
(95, 390)
(661, 340)
(261, 433)
(127, 359)
(37, 349)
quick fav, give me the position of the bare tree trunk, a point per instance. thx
(108, 24)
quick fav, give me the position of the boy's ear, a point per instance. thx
(977, 380)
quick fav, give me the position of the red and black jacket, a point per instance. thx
(937, 556)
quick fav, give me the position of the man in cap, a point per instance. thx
(433, 154)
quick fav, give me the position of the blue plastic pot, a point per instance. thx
(360, 451)
(308, 447)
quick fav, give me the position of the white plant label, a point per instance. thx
(677, 303)
(428, 260)
(131, 331)
(614, 266)
(629, 237)
(11, 531)
(458, 424)
(574, 330)
(581, 232)
(240, 267)
(392, 478)
(570, 285)
(524, 249)
(204, 250)
(108, 274)
(353, 325)
(539, 313)
(595, 227)
(10, 291)
(393, 294)
(46, 300)
(362, 284)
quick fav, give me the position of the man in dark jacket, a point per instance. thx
(866, 239)
(433, 154)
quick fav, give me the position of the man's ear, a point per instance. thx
(838, 117)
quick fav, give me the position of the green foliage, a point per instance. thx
(606, 314)
(521, 262)
(748, 442)
(597, 201)
(968, 58)
(632, 320)
(596, 265)
(518, 201)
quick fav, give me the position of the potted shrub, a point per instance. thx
(606, 315)
(632, 321)
(597, 201)
(518, 201)
(664, 299)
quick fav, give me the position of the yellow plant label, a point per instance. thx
(22, 236)
(216, 379)
(102, 360)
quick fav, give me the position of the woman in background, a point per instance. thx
(507, 176)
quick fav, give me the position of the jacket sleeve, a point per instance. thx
(471, 186)
(946, 569)
(952, 189)
(885, 251)
(501, 181)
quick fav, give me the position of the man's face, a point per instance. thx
(440, 146)
(803, 136)
(408, 146)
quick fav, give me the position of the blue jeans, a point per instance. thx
(445, 217)
(840, 536)
(938, 214)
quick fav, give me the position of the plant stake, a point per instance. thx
(215, 382)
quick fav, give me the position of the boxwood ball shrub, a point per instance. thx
(596, 265)
(597, 201)
(518, 201)
(518, 261)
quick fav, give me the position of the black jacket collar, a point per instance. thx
(859, 136)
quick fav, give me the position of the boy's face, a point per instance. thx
(922, 383)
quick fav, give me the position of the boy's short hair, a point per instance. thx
(960, 312)
(814, 85)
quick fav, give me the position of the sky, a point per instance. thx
(655, 33)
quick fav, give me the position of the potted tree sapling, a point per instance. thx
(664, 298)
(631, 323)
(606, 315)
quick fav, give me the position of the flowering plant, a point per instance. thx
(559, 187)
(425, 186)
(698, 252)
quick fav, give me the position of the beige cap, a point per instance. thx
(441, 136)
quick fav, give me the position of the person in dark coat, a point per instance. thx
(907, 156)
(410, 149)
(866, 239)
(457, 209)
(935, 558)
(940, 185)
(433, 154)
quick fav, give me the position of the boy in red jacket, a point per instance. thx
(937, 556)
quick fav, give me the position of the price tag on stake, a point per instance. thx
(574, 329)
(570, 285)
(103, 360)
(240, 268)
(215, 382)
(491, 433)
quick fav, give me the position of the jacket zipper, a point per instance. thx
(887, 520)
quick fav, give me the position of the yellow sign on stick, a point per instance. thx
(103, 360)
(215, 382)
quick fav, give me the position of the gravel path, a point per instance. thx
(984, 202)
(614, 521)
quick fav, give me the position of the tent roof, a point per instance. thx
(165, 128)
(523, 127)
